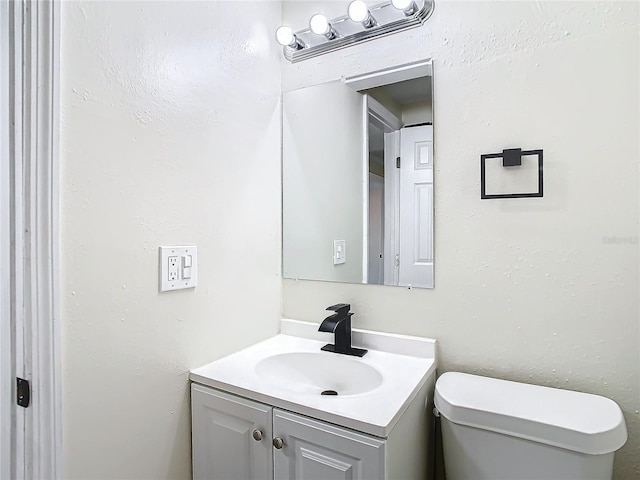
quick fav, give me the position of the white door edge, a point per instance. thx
(365, 188)
(45, 433)
(36, 178)
(6, 344)
(392, 207)
(20, 106)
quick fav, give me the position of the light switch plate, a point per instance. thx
(177, 268)
(339, 252)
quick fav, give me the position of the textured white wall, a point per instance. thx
(538, 290)
(323, 153)
(170, 135)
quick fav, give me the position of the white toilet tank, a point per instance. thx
(495, 429)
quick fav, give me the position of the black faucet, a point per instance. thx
(340, 324)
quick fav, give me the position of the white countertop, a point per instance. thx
(374, 412)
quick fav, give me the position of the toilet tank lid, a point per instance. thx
(577, 421)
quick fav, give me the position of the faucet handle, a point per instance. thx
(341, 309)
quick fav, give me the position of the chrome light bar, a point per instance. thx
(387, 18)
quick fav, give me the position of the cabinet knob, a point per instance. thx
(278, 443)
(257, 435)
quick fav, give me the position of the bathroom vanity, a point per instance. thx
(285, 409)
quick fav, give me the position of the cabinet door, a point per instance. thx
(224, 447)
(315, 450)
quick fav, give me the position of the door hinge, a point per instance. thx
(397, 260)
(397, 162)
(23, 392)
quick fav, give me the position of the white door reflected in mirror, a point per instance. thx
(358, 166)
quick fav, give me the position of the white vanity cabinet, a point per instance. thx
(231, 436)
(260, 413)
(235, 438)
(313, 450)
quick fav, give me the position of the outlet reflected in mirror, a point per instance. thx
(358, 167)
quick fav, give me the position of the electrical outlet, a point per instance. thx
(173, 268)
(178, 268)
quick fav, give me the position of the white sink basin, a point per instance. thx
(315, 373)
(290, 371)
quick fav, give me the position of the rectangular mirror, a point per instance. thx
(358, 179)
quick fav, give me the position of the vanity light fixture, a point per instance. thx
(358, 12)
(286, 38)
(361, 23)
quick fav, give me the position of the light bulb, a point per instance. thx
(401, 4)
(358, 11)
(319, 24)
(409, 7)
(284, 36)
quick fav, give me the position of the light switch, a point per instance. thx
(339, 252)
(177, 268)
